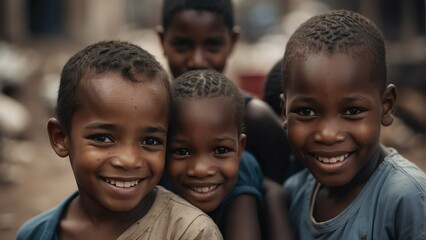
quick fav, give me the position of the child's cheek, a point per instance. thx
(365, 133)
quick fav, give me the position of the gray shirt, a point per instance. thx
(390, 206)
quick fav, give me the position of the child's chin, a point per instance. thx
(208, 209)
(207, 206)
(121, 206)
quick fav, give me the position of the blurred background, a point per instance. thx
(38, 36)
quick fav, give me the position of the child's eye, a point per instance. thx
(306, 112)
(181, 151)
(151, 142)
(353, 111)
(100, 138)
(181, 44)
(214, 45)
(221, 150)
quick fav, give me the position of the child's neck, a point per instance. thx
(330, 201)
(87, 218)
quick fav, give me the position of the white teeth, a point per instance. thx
(333, 159)
(122, 184)
(204, 189)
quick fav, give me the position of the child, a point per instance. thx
(113, 107)
(335, 101)
(201, 34)
(206, 144)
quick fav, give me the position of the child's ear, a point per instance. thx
(283, 111)
(160, 31)
(235, 36)
(388, 104)
(242, 145)
(58, 137)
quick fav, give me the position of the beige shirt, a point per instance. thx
(172, 217)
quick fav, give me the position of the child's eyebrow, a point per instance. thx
(108, 126)
(314, 100)
(225, 138)
(156, 130)
(355, 98)
(105, 126)
(304, 99)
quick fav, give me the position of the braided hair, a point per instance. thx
(337, 31)
(202, 84)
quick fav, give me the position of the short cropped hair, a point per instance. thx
(337, 31)
(223, 8)
(203, 84)
(124, 58)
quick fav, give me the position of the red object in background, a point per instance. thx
(252, 83)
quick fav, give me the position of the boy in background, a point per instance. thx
(335, 99)
(201, 34)
(205, 163)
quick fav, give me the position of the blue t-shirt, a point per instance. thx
(249, 182)
(391, 205)
(43, 227)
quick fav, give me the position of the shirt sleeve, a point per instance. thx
(202, 228)
(410, 214)
(250, 178)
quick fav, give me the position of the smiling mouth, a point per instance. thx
(122, 184)
(204, 189)
(331, 159)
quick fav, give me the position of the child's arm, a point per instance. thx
(277, 224)
(242, 220)
(267, 140)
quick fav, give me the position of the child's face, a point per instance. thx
(333, 110)
(117, 142)
(205, 150)
(197, 40)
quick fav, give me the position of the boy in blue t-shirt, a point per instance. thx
(206, 144)
(335, 99)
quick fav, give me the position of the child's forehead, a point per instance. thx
(207, 112)
(200, 17)
(333, 68)
(206, 103)
(221, 8)
(206, 106)
(95, 82)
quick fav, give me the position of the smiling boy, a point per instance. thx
(112, 123)
(205, 163)
(334, 103)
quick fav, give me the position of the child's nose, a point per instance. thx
(198, 60)
(329, 132)
(201, 167)
(128, 157)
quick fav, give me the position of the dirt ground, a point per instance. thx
(34, 178)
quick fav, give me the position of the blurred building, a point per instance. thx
(85, 20)
(38, 36)
(265, 28)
